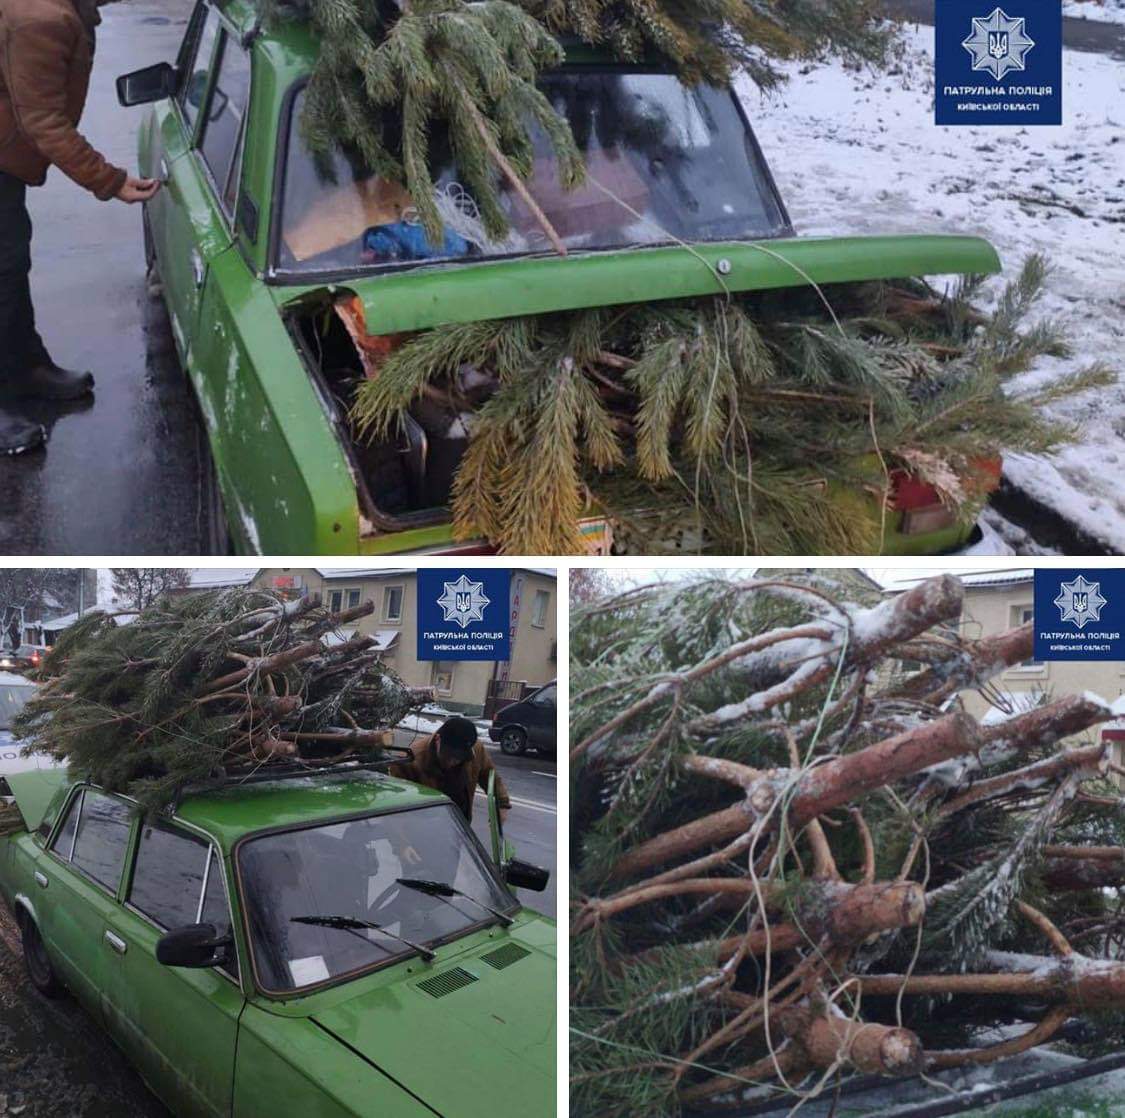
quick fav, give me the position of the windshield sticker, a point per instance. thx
(308, 971)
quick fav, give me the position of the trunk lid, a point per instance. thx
(438, 295)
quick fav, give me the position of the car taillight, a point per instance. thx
(921, 504)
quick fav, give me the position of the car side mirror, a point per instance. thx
(523, 875)
(142, 87)
(196, 946)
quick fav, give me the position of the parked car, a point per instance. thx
(529, 724)
(25, 658)
(332, 945)
(269, 273)
(15, 691)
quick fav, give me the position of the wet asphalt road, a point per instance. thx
(120, 476)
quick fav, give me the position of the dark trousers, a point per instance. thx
(21, 348)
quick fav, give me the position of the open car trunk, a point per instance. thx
(404, 481)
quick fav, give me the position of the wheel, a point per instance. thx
(513, 741)
(37, 961)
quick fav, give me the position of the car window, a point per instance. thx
(216, 910)
(293, 879)
(64, 840)
(193, 87)
(665, 162)
(13, 696)
(103, 836)
(546, 697)
(225, 114)
(168, 877)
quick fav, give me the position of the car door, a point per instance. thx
(541, 723)
(78, 879)
(178, 1025)
(194, 226)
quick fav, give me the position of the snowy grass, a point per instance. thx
(857, 152)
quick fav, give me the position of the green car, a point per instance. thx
(329, 946)
(282, 284)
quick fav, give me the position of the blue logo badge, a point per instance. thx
(1079, 615)
(998, 65)
(464, 615)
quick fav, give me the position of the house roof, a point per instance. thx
(217, 578)
(1008, 577)
(352, 574)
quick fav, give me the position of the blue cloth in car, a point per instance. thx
(404, 240)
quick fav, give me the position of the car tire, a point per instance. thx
(513, 741)
(39, 967)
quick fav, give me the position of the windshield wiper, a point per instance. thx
(440, 889)
(352, 924)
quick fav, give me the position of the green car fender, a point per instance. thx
(284, 479)
(292, 1066)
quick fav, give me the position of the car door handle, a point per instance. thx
(197, 268)
(41, 879)
(117, 943)
(165, 174)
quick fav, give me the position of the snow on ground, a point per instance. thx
(1102, 11)
(857, 152)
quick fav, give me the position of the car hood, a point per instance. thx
(465, 1033)
(438, 295)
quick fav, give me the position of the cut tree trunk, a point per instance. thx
(820, 789)
(1075, 980)
(830, 1038)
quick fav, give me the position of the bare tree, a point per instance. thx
(29, 593)
(138, 587)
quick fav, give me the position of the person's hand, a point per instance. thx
(138, 190)
(411, 856)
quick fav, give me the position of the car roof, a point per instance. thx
(236, 811)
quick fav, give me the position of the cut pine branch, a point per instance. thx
(818, 790)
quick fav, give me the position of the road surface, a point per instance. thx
(120, 476)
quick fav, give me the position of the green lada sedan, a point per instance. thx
(326, 946)
(282, 293)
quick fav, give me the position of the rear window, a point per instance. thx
(95, 836)
(666, 163)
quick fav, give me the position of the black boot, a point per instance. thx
(17, 435)
(50, 382)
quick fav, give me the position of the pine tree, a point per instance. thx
(788, 841)
(210, 684)
(755, 425)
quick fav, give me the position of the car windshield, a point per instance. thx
(665, 162)
(13, 696)
(351, 870)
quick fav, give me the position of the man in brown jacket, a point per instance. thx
(46, 55)
(454, 762)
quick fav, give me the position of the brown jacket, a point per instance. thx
(458, 784)
(46, 55)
